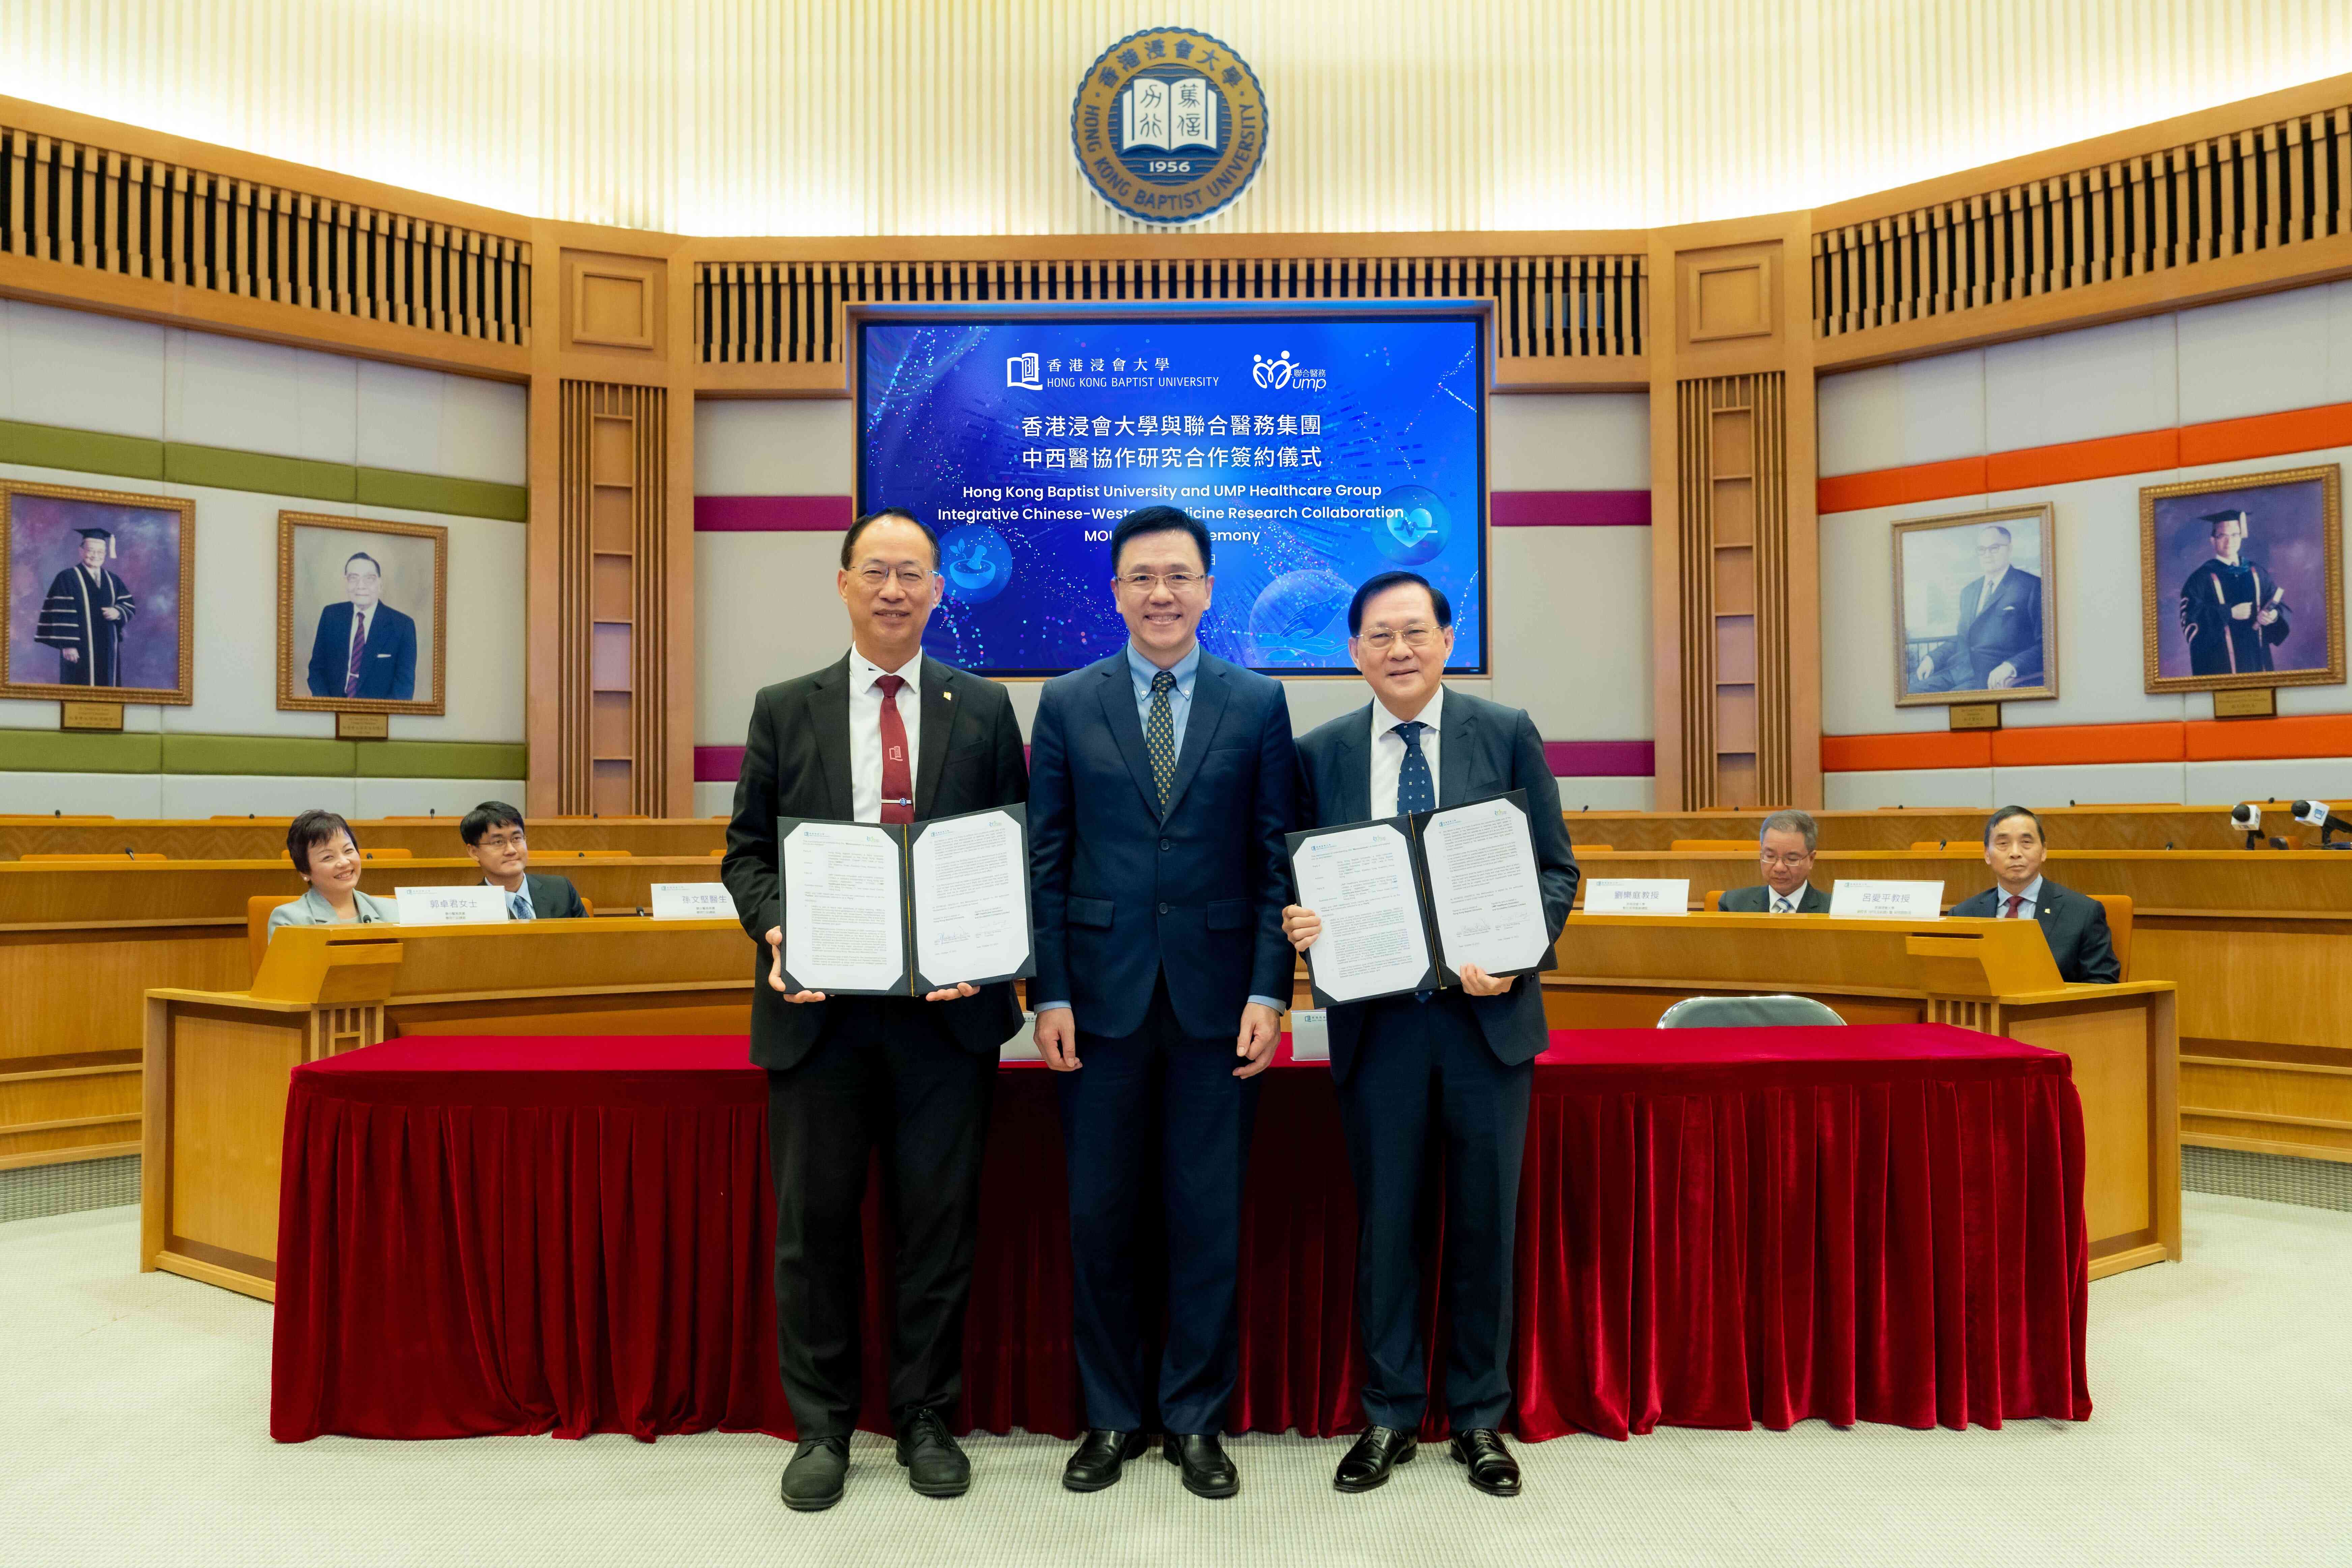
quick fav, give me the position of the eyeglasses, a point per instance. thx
(1785, 862)
(1992, 549)
(909, 577)
(1415, 639)
(361, 579)
(501, 841)
(1149, 581)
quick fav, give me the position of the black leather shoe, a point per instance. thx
(814, 1477)
(1207, 1471)
(1376, 1453)
(1097, 1463)
(935, 1466)
(1492, 1468)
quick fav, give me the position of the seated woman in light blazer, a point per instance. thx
(322, 848)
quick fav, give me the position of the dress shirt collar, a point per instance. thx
(864, 672)
(1432, 714)
(1143, 670)
(1772, 896)
(2032, 895)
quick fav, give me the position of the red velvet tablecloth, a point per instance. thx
(1717, 1228)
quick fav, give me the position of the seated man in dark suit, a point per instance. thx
(1785, 849)
(2073, 924)
(493, 833)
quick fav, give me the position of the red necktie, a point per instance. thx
(2014, 900)
(898, 779)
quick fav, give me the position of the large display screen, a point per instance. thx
(1319, 446)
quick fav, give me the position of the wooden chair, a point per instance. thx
(77, 859)
(256, 923)
(1714, 846)
(2119, 928)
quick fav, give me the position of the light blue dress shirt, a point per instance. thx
(2029, 909)
(1179, 708)
(527, 912)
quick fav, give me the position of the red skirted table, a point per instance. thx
(1717, 1228)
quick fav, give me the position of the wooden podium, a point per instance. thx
(1997, 976)
(217, 1062)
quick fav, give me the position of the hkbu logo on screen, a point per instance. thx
(1282, 372)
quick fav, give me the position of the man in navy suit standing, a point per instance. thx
(1160, 786)
(363, 647)
(1460, 1060)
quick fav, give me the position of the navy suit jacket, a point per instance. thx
(387, 664)
(1123, 892)
(2007, 631)
(2073, 924)
(1482, 748)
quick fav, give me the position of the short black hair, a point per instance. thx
(309, 830)
(849, 540)
(364, 556)
(489, 815)
(2004, 814)
(1158, 520)
(1373, 588)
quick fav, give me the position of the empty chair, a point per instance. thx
(1745, 1013)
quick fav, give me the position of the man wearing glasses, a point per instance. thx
(363, 649)
(1785, 849)
(1998, 641)
(883, 734)
(1162, 784)
(1454, 1066)
(493, 833)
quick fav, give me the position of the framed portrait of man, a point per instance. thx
(361, 615)
(2242, 581)
(98, 594)
(1974, 619)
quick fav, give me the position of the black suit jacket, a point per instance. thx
(2072, 923)
(554, 898)
(1124, 892)
(387, 664)
(1758, 899)
(1482, 748)
(796, 764)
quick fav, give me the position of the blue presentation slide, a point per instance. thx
(1319, 448)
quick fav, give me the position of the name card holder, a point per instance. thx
(458, 906)
(1852, 899)
(693, 901)
(1637, 895)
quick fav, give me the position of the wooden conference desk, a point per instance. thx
(79, 944)
(217, 1061)
(1623, 971)
(2258, 942)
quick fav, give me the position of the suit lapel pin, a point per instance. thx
(947, 695)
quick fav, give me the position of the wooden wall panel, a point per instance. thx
(614, 564)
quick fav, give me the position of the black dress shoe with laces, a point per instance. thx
(812, 1479)
(1207, 1471)
(1375, 1454)
(1099, 1455)
(936, 1467)
(1492, 1468)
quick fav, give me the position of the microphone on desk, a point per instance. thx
(2315, 814)
(2247, 818)
(129, 853)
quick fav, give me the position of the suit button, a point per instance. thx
(1163, 845)
(1163, 908)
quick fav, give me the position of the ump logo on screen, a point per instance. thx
(1281, 374)
(1169, 125)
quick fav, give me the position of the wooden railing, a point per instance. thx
(1547, 307)
(140, 217)
(2283, 183)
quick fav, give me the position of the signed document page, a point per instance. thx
(971, 899)
(1484, 897)
(1361, 881)
(843, 907)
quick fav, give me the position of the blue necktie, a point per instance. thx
(517, 907)
(1415, 790)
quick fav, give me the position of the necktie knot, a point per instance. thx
(1163, 681)
(891, 685)
(2015, 901)
(1409, 732)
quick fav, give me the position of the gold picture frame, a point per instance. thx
(2307, 529)
(1912, 642)
(301, 598)
(16, 657)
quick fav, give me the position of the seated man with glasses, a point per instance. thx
(493, 833)
(1785, 850)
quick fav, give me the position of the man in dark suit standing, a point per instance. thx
(883, 734)
(363, 649)
(2074, 924)
(1161, 786)
(1998, 642)
(1785, 849)
(494, 835)
(1463, 1059)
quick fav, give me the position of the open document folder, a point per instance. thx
(906, 909)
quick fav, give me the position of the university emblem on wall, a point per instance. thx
(1169, 125)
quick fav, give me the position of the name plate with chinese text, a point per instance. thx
(1851, 900)
(1637, 895)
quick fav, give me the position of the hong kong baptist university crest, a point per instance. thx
(1169, 125)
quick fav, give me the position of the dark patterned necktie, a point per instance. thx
(359, 645)
(1159, 735)
(1415, 790)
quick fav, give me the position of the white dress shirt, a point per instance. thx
(1785, 903)
(1387, 750)
(865, 729)
(2029, 909)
